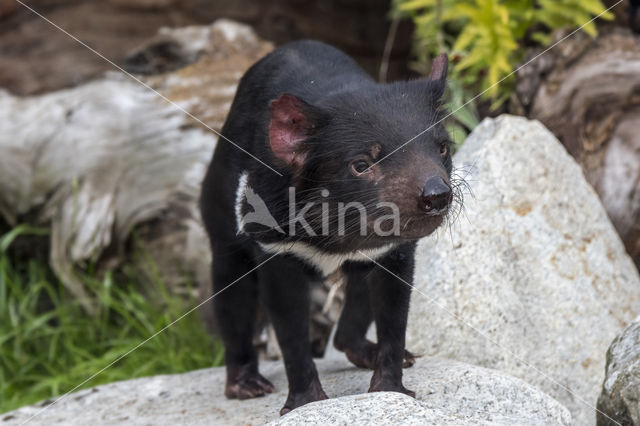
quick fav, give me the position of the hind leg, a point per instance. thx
(235, 311)
(356, 318)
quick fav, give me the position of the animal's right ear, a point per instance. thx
(290, 124)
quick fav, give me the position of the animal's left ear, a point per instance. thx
(438, 74)
(439, 68)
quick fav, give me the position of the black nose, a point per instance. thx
(436, 194)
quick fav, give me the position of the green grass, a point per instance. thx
(49, 344)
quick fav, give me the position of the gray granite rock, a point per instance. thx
(620, 398)
(532, 278)
(448, 392)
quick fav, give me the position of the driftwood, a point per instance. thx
(98, 160)
(110, 157)
(587, 92)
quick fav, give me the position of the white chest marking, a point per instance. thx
(324, 262)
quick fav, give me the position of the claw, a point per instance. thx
(246, 383)
(313, 393)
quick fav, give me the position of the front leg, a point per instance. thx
(284, 288)
(356, 317)
(390, 304)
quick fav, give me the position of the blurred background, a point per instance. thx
(100, 239)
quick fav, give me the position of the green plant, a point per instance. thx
(486, 36)
(49, 344)
(464, 115)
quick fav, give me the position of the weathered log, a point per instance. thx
(101, 159)
(587, 92)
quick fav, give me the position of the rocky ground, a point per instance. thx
(447, 392)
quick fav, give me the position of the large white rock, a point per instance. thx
(448, 392)
(532, 278)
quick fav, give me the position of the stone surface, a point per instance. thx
(620, 397)
(532, 278)
(448, 392)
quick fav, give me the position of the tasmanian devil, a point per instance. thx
(322, 168)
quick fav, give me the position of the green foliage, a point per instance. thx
(49, 344)
(463, 111)
(486, 36)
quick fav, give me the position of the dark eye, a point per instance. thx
(444, 149)
(359, 167)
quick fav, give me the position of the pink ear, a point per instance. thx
(289, 126)
(439, 67)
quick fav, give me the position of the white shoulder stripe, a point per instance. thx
(240, 194)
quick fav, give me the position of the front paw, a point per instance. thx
(313, 393)
(245, 382)
(381, 383)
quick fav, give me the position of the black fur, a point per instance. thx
(352, 117)
(634, 15)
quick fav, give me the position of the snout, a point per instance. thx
(436, 196)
